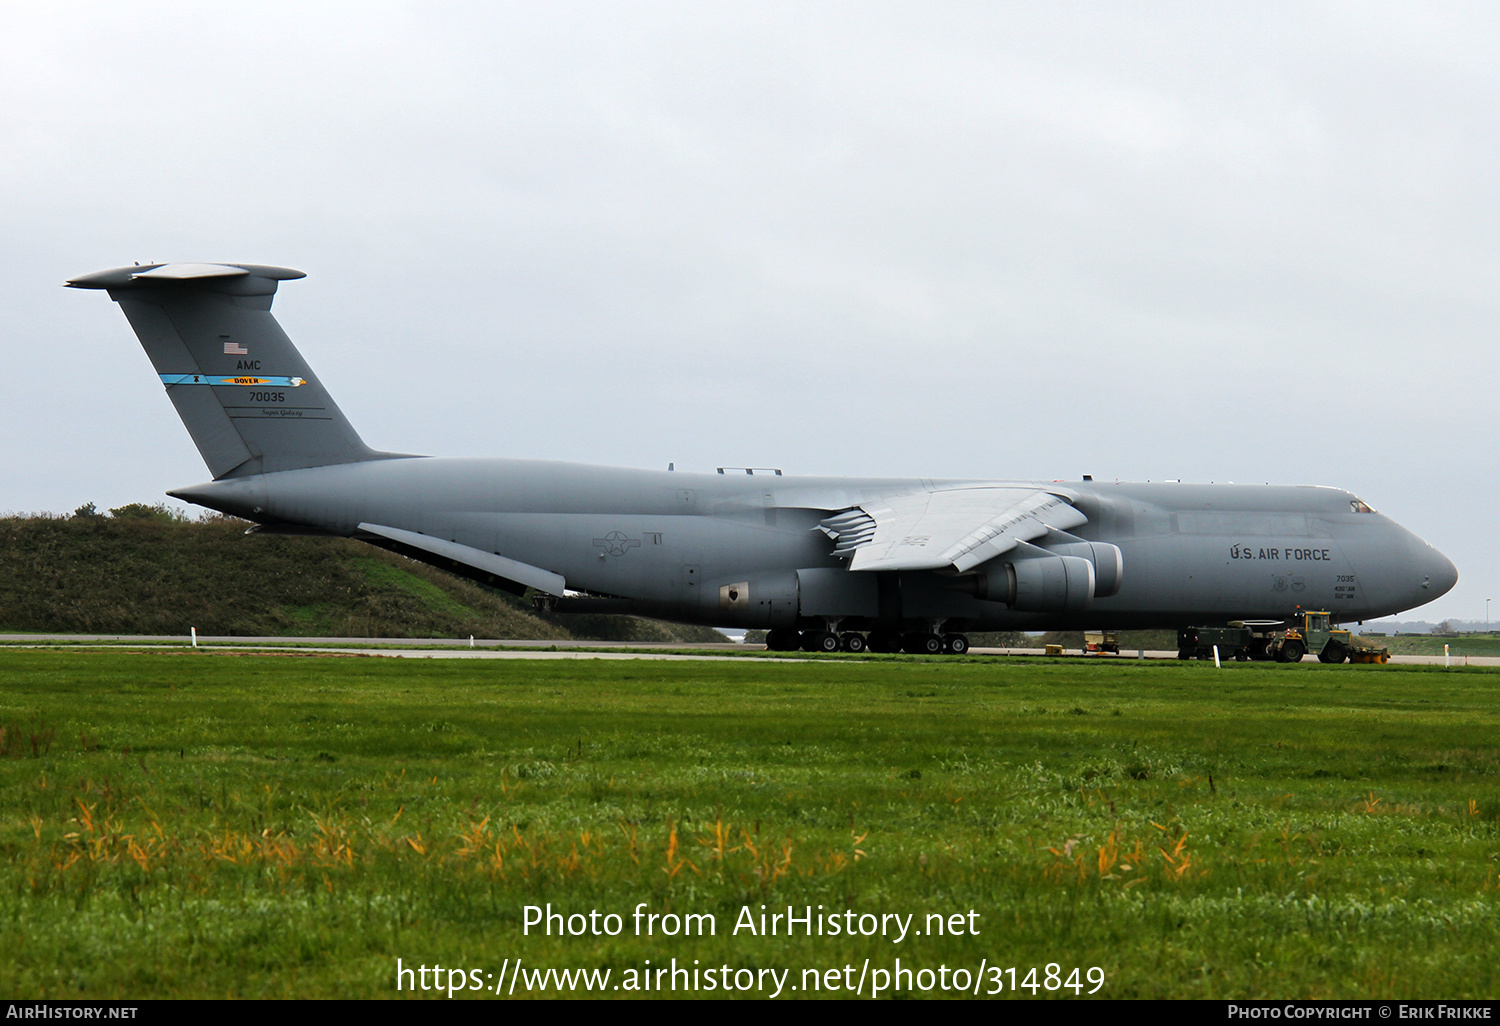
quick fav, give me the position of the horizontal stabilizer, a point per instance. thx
(148, 274)
(506, 571)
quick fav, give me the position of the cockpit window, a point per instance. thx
(1358, 506)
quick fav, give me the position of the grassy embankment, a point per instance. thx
(180, 823)
(1432, 644)
(149, 573)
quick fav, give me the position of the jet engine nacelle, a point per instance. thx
(1066, 576)
(1041, 584)
(1109, 563)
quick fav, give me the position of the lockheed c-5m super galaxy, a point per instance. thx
(821, 562)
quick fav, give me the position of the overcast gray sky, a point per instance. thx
(1216, 242)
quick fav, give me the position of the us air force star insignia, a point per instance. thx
(617, 544)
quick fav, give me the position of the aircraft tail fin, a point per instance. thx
(247, 397)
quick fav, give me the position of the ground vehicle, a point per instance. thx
(1242, 640)
(1101, 641)
(1237, 640)
(1313, 634)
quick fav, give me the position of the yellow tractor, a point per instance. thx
(1315, 634)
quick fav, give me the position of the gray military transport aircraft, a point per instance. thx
(823, 563)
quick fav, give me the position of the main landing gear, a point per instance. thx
(786, 639)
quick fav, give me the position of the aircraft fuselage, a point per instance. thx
(744, 551)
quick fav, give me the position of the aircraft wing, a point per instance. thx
(946, 529)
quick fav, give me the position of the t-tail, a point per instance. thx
(243, 391)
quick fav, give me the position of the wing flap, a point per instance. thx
(949, 529)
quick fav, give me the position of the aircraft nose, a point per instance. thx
(1399, 571)
(1439, 575)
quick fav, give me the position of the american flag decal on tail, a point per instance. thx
(235, 349)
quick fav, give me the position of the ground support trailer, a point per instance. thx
(1236, 642)
(1101, 641)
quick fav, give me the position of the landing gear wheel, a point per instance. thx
(955, 644)
(852, 642)
(884, 641)
(820, 641)
(783, 639)
(922, 644)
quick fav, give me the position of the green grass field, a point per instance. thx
(215, 824)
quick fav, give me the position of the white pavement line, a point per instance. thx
(399, 653)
